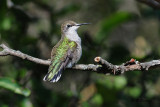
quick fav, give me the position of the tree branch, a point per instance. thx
(102, 65)
(152, 3)
(131, 65)
(7, 51)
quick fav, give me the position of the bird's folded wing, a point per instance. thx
(59, 62)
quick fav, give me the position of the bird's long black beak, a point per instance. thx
(83, 24)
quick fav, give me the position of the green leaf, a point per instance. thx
(85, 104)
(109, 23)
(26, 103)
(97, 100)
(133, 91)
(113, 82)
(10, 84)
(120, 82)
(6, 24)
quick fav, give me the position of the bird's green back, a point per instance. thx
(58, 57)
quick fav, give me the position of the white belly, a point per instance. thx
(76, 56)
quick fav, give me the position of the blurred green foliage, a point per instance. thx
(120, 30)
(9, 84)
(109, 23)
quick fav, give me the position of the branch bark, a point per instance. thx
(152, 3)
(102, 65)
(7, 51)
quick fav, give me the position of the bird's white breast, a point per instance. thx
(72, 34)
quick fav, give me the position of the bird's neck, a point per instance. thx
(73, 36)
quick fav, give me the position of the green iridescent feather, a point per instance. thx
(60, 56)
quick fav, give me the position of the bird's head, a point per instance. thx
(71, 26)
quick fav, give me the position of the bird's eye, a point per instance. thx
(68, 25)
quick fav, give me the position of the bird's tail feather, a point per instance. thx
(54, 73)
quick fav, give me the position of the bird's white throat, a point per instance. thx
(72, 34)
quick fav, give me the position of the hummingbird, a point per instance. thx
(66, 53)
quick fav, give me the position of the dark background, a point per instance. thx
(120, 30)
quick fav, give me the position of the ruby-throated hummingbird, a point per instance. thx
(66, 52)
